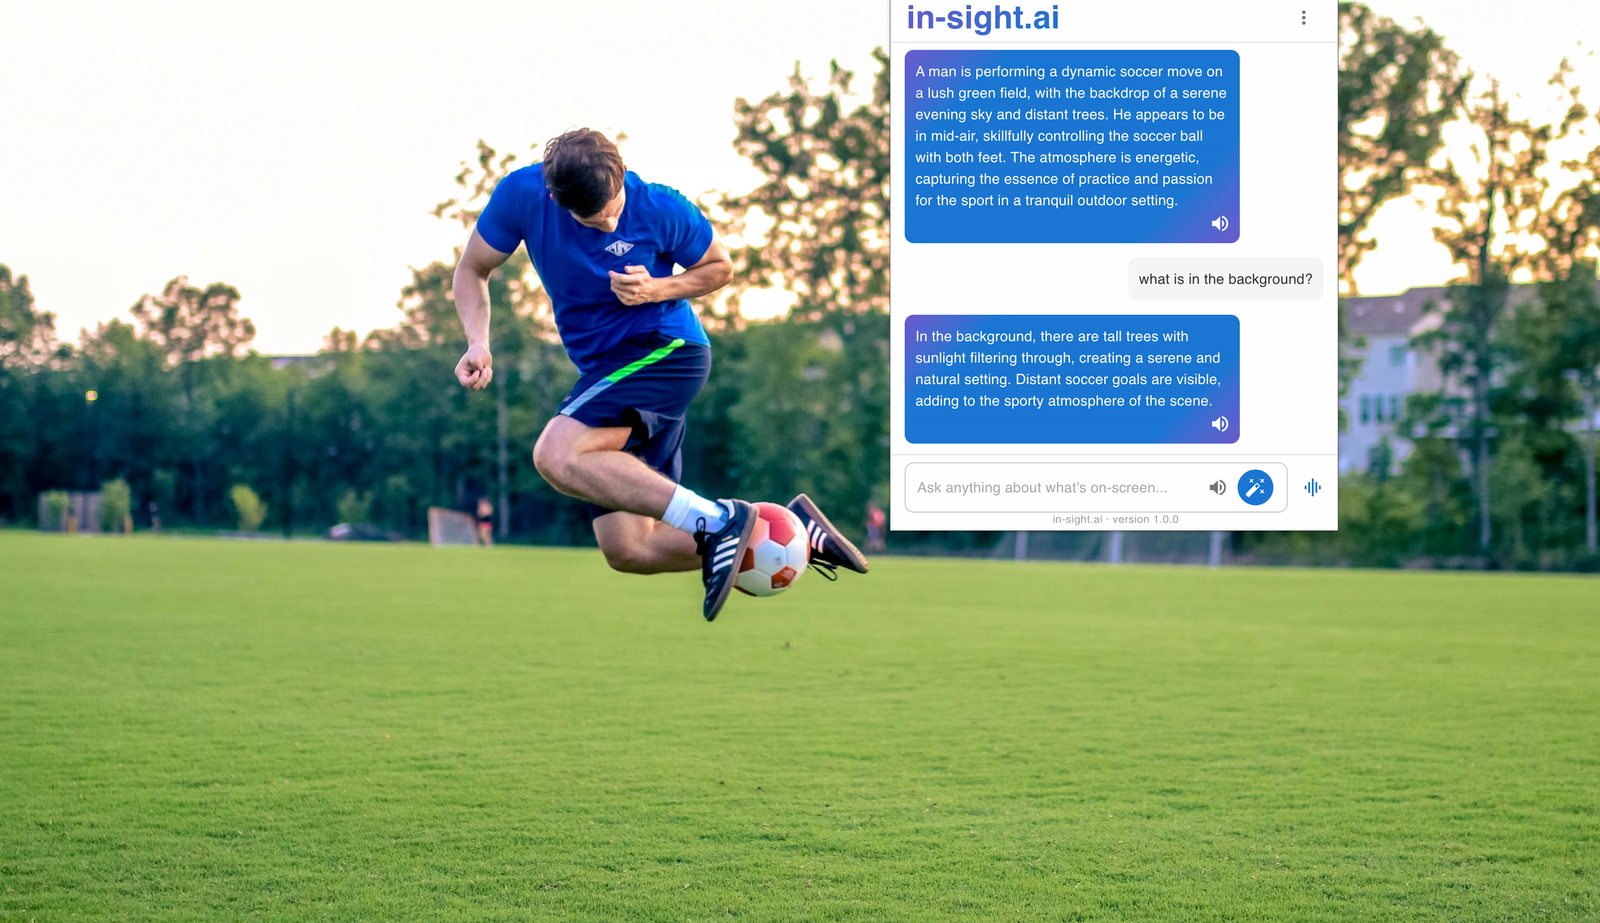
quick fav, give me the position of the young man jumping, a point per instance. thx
(604, 243)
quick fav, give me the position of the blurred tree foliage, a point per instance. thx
(802, 404)
(797, 404)
(1502, 455)
(824, 154)
(1492, 197)
(1398, 88)
(186, 410)
(27, 345)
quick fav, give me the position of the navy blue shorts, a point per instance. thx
(647, 386)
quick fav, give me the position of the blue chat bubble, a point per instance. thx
(1084, 378)
(1071, 146)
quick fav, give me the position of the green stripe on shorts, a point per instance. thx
(651, 359)
(622, 373)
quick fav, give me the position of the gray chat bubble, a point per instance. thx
(1267, 278)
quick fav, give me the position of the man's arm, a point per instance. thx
(471, 286)
(637, 286)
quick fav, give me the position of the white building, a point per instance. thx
(1391, 369)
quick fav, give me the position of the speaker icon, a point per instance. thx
(1220, 223)
(1312, 487)
(1220, 424)
(1218, 488)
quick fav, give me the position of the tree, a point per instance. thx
(189, 324)
(1380, 520)
(139, 414)
(247, 506)
(1570, 228)
(27, 336)
(513, 284)
(1519, 493)
(457, 439)
(1398, 88)
(1556, 342)
(802, 404)
(826, 195)
(27, 343)
(1490, 206)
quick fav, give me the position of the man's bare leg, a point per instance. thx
(589, 463)
(635, 544)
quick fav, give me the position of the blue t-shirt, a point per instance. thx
(658, 227)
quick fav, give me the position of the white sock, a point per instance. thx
(688, 508)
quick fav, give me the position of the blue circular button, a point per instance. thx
(1255, 487)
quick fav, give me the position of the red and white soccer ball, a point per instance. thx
(778, 552)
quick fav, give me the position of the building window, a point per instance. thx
(1397, 355)
(1395, 403)
(1366, 409)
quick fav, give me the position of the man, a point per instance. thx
(485, 519)
(604, 243)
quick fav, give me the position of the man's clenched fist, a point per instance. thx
(636, 286)
(476, 368)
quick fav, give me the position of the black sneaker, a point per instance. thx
(720, 553)
(829, 549)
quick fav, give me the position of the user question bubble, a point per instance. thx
(1156, 278)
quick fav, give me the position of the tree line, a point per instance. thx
(373, 427)
(1501, 468)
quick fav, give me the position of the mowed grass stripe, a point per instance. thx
(198, 730)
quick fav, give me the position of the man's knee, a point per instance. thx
(554, 458)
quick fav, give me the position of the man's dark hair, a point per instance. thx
(583, 170)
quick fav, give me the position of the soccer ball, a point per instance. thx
(777, 555)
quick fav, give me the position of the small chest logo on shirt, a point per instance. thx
(618, 248)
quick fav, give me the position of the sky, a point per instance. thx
(294, 150)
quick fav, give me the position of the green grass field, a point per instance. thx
(205, 731)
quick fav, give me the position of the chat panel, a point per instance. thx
(1116, 291)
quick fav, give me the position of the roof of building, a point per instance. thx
(1405, 314)
(279, 362)
(314, 366)
(1393, 315)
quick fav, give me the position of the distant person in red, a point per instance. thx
(485, 519)
(876, 520)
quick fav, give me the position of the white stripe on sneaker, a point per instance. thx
(725, 553)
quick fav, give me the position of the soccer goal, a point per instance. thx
(449, 529)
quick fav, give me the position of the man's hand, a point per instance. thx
(471, 289)
(636, 286)
(476, 368)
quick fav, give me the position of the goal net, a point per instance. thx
(448, 528)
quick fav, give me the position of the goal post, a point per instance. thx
(451, 529)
